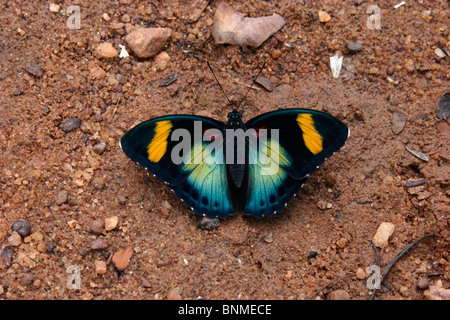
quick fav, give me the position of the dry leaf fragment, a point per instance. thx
(232, 27)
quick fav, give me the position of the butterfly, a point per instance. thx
(219, 169)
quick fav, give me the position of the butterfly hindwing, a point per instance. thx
(269, 187)
(198, 176)
(281, 161)
(306, 137)
(205, 189)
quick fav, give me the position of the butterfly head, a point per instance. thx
(235, 119)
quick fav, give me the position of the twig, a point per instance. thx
(246, 85)
(16, 43)
(330, 283)
(377, 256)
(398, 256)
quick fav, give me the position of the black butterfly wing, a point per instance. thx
(195, 178)
(281, 162)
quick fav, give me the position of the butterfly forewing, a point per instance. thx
(193, 173)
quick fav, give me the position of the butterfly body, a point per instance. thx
(219, 169)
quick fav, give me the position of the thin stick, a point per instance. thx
(16, 43)
(398, 256)
(246, 85)
(330, 283)
(377, 257)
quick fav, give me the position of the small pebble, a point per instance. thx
(360, 274)
(324, 16)
(37, 283)
(98, 183)
(161, 60)
(384, 231)
(398, 122)
(440, 53)
(99, 148)
(98, 72)
(443, 108)
(415, 189)
(209, 223)
(354, 46)
(112, 81)
(106, 50)
(72, 223)
(414, 182)
(15, 239)
(106, 17)
(51, 246)
(148, 42)
(61, 197)
(373, 71)
(409, 65)
(87, 296)
(53, 7)
(71, 124)
(126, 18)
(97, 226)
(422, 283)
(121, 78)
(443, 127)
(174, 294)
(37, 236)
(423, 195)
(289, 274)
(26, 279)
(169, 80)
(232, 27)
(266, 83)
(7, 254)
(121, 199)
(268, 237)
(111, 223)
(122, 258)
(100, 267)
(338, 295)
(34, 69)
(22, 227)
(20, 31)
(276, 54)
(323, 205)
(437, 292)
(342, 242)
(99, 244)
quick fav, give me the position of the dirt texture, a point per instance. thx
(66, 178)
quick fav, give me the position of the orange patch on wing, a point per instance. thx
(311, 137)
(158, 146)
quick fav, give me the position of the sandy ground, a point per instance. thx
(59, 183)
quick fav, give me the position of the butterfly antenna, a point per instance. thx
(218, 82)
(253, 82)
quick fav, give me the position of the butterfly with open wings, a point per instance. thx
(219, 169)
